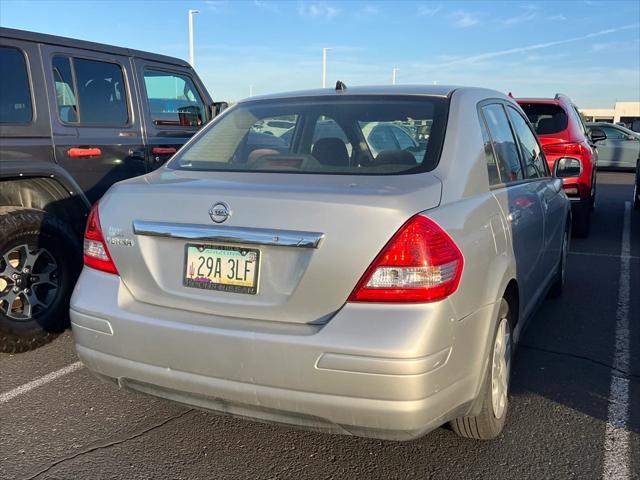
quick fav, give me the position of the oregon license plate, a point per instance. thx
(217, 267)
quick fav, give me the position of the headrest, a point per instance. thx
(547, 125)
(331, 151)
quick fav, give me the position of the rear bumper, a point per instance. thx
(391, 372)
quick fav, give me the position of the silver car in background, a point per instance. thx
(621, 148)
(327, 286)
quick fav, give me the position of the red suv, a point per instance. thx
(570, 152)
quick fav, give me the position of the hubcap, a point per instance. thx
(29, 281)
(500, 369)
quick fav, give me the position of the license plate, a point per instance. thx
(217, 267)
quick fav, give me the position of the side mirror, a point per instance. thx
(597, 135)
(218, 107)
(567, 167)
(630, 137)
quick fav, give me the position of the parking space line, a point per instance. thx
(616, 446)
(597, 254)
(38, 382)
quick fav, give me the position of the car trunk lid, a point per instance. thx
(315, 235)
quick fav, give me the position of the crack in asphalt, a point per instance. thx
(618, 372)
(108, 444)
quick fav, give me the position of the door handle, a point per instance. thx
(514, 216)
(136, 153)
(76, 152)
(163, 150)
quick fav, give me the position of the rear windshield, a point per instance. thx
(546, 118)
(346, 135)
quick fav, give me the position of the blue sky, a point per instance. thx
(589, 50)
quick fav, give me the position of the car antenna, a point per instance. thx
(340, 86)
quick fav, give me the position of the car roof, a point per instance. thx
(420, 90)
(85, 45)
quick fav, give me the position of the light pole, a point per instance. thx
(191, 57)
(393, 75)
(324, 66)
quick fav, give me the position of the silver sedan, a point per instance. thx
(621, 148)
(326, 284)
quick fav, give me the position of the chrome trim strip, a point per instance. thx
(226, 234)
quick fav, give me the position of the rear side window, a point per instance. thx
(95, 95)
(368, 135)
(504, 144)
(173, 100)
(101, 93)
(534, 161)
(490, 156)
(546, 118)
(15, 95)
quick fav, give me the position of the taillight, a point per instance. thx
(96, 253)
(563, 149)
(421, 263)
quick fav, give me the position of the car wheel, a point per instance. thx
(560, 277)
(582, 221)
(495, 391)
(39, 264)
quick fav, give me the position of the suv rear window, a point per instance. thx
(15, 97)
(546, 118)
(369, 135)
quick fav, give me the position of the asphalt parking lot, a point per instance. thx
(574, 412)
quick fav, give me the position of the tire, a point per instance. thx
(582, 221)
(40, 259)
(636, 188)
(559, 280)
(488, 424)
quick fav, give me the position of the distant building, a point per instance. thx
(624, 112)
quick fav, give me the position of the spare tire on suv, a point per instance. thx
(39, 264)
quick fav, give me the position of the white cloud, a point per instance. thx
(558, 17)
(529, 14)
(318, 10)
(536, 46)
(464, 19)
(428, 10)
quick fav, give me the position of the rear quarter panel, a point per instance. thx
(468, 210)
(471, 215)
